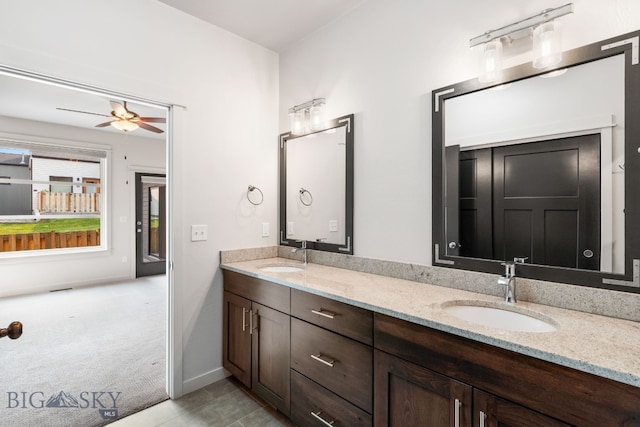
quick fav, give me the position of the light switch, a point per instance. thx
(265, 229)
(333, 225)
(290, 228)
(198, 233)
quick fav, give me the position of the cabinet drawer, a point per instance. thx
(311, 404)
(340, 364)
(261, 291)
(345, 319)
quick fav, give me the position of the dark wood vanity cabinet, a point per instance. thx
(323, 362)
(256, 331)
(418, 367)
(407, 394)
(331, 362)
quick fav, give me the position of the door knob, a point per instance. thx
(13, 331)
(454, 245)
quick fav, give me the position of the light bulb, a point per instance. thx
(547, 45)
(316, 117)
(297, 122)
(491, 62)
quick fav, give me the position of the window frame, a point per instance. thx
(100, 153)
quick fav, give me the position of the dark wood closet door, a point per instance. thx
(547, 202)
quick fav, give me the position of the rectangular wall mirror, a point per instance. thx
(316, 187)
(542, 165)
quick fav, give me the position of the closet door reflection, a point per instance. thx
(151, 242)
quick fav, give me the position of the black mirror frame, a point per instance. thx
(626, 45)
(347, 247)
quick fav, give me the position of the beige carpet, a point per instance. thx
(86, 357)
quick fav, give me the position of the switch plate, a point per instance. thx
(290, 228)
(198, 233)
(265, 229)
(333, 225)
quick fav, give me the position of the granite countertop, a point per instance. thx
(600, 345)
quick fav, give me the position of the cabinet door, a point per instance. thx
(491, 411)
(236, 343)
(270, 356)
(410, 395)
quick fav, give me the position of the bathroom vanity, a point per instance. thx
(352, 348)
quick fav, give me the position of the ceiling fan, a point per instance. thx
(124, 119)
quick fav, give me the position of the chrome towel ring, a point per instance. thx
(308, 197)
(250, 191)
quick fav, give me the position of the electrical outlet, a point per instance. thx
(289, 228)
(198, 233)
(265, 229)
(333, 225)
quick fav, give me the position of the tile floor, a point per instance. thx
(226, 403)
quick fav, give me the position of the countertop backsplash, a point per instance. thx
(622, 305)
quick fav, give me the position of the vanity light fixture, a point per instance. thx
(547, 46)
(307, 116)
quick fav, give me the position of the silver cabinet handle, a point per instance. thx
(324, 313)
(483, 417)
(250, 322)
(319, 358)
(325, 422)
(456, 413)
(244, 319)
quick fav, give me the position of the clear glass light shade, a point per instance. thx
(491, 61)
(124, 125)
(547, 45)
(297, 122)
(316, 117)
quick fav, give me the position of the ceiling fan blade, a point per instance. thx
(83, 112)
(105, 124)
(120, 110)
(153, 119)
(143, 125)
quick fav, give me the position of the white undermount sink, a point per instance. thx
(282, 268)
(500, 316)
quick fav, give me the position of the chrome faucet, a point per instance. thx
(303, 247)
(508, 280)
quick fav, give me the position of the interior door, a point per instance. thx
(547, 202)
(452, 192)
(476, 210)
(151, 221)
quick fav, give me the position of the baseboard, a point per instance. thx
(203, 380)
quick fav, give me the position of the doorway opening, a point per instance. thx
(151, 224)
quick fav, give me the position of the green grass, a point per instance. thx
(48, 225)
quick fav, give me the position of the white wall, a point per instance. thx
(381, 62)
(224, 141)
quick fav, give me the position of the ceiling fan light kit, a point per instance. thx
(124, 125)
(124, 119)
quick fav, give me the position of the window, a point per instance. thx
(51, 199)
(60, 188)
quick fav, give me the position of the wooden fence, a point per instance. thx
(51, 240)
(68, 202)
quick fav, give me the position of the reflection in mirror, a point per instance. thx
(541, 179)
(316, 188)
(542, 166)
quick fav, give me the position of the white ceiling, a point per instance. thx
(274, 24)
(26, 99)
